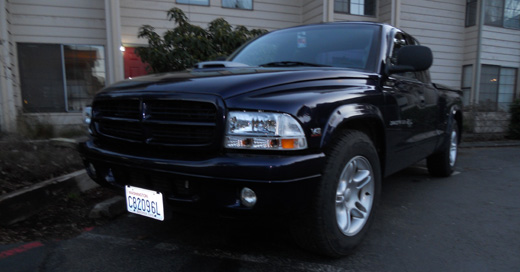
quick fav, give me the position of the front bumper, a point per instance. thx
(282, 183)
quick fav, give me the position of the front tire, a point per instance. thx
(343, 206)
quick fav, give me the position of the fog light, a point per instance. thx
(248, 197)
(110, 176)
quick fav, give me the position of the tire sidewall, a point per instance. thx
(453, 127)
(358, 144)
(448, 169)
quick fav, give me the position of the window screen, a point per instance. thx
(356, 7)
(467, 82)
(41, 77)
(471, 12)
(503, 13)
(506, 87)
(60, 78)
(85, 74)
(497, 87)
(194, 2)
(238, 4)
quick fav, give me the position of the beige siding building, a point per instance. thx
(55, 54)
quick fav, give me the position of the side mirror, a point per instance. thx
(411, 58)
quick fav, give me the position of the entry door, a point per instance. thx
(134, 66)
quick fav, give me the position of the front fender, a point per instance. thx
(345, 114)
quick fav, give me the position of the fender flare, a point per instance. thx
(347, 113)
(455, 110)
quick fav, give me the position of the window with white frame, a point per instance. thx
(194, 2)
(60, 78)
(497, 87)
(502, 13)
(238, 4)
(356, 7)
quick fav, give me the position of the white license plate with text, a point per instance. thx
(144, 202)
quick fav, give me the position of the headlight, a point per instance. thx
(265, 131)
(87, 118)
(87, 115)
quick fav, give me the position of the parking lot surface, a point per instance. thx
(467, 222)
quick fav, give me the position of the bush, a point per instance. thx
(514, 126)
(187, 44)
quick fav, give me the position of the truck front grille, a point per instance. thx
(166, 122)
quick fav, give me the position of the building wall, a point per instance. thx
(338, 17)
(266, 14)
(312, 11)
(54, 22)
(58, 21)
(438, 24)
(7, 75)
(470, 45)
(385, 11)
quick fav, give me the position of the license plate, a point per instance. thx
(144, 202)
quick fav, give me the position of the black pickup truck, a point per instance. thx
(302, 122)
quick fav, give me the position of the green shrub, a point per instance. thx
(186, 44)
(514, 125)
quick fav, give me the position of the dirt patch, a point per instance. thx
(65, 218)
(23, 163)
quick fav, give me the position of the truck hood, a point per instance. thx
(228, 82)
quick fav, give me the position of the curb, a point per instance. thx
(109, 208)
(21, 204)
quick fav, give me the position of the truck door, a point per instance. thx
(408, 111)
(429, 108)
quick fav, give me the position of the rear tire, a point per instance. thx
(442, 164)
(344, 202)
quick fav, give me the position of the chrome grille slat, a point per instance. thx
(161, 121)
(181, 110)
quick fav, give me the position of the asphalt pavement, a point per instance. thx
(467, 222)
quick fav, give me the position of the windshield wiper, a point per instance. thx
(291, 63)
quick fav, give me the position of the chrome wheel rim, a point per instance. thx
(453, 148)
(354, 196)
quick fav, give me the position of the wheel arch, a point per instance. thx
(361, 117)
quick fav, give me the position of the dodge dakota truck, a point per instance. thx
(303, 122)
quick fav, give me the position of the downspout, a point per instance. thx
(7, 105)
(331, 11)
(477, 69)
(325, 11)
(396, 13)
(114, 55)
(475, 87)
(328, 11)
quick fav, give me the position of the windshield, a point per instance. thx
(348, 46)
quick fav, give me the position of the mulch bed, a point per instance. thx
(65, 218)
(24, 163)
